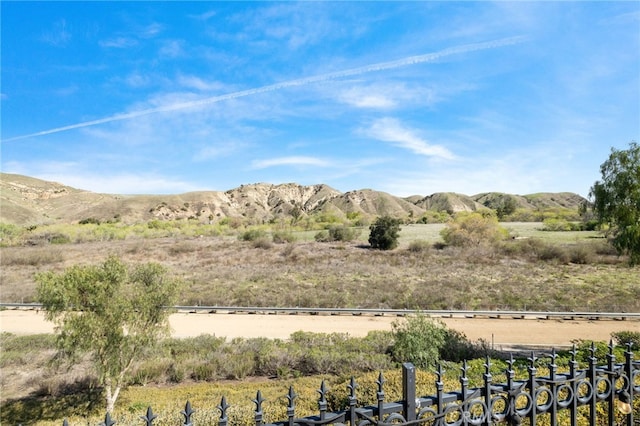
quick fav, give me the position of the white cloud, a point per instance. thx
(218, 150)
(193, 82)
(387, 95)
(171, 49)
(74, 174)
(151, 30)
(66, 91)
(204, 16)
(289, 161)
(137, 80)
(59, 36)
(118, 42)
(366, 97)
(391, 130)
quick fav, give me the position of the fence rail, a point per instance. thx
(594, 395)
(508, 314)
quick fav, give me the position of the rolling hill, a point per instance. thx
(25, 200)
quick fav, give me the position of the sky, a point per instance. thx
(409, 98)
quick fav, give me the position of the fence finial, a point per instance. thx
(150, 417)
(187, 413)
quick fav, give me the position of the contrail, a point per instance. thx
(411, 60)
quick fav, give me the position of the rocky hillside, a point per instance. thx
(25, 201)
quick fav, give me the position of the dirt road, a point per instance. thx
(500, 332)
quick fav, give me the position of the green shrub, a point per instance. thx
(10, 233)
(457, 347)
(281, 237)
(252, 235)
(549, 252)
(89, 220)
(622, 338)
(58, 238)
(418, 339)
(343, 233)
(473, 229)
(385, 232)
(581, 254)
(556, 225)
(322, 236)
(431, 216)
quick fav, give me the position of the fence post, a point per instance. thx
(553, 411)
(533, 387)
(487, 391)
(594, 385)
(612, 376)
(409, 390)
(573, 368)
(630, 383)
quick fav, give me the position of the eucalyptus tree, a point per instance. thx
(616, 199)
(112, 311)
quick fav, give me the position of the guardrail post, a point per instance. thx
(409, 390)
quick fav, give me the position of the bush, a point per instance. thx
(89, 220)
(252, 235)
(457, 347)
(549, 252)
(343, 233)
(622, 338)
(9, 233)
(322, 236)
(262, 242)
(384, 233)
(419, 340)
(337, 233)
(556, 225)
(473, 229)
(418, 246)
(281, 237)
(581, 254)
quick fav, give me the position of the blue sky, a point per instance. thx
(403, 97)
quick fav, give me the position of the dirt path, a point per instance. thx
(500, 332)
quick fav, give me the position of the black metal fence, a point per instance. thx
(595, 395)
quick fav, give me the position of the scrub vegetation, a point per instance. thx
(470, 262)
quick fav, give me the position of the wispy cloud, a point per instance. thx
(193, 82)
(66, 91)
(150, 30)
(75, 174)
(58, 36)
(171, 49)
(218, 150)
(366, 97)
(295, 24)
(204, 16)
(382, 66)
(386, 95)
(137, 80)
(391, 130)
(289, 161)
(118, 42)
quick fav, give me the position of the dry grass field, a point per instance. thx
(535, 270)
(545, 271)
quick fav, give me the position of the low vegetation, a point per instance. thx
(205, 368)
(532, 269)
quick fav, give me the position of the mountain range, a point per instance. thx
(27, 201)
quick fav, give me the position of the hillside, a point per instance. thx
(25, 201)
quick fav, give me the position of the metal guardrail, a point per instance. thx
(496, 314)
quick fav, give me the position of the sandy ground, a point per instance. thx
(500, 332)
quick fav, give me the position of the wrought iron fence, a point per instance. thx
(576, 393)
